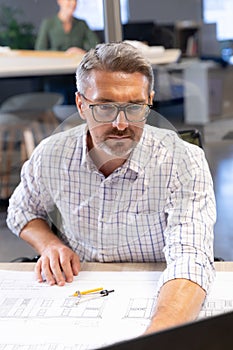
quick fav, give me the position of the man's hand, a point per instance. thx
(58, 264)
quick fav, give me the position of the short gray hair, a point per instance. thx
(113, 57)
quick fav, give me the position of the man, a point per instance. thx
(125, 191)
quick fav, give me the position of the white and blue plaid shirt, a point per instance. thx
(158, 206)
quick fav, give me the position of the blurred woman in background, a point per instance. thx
(64, 32)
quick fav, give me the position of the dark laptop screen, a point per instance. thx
(215, 333)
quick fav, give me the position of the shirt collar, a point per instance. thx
(140, 156)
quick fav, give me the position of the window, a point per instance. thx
(92, 12)
(219, 12)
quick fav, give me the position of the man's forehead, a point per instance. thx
(105, 80)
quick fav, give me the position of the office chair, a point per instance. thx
(192, 136)
(12, 152)
(31, 102)
(32, 111)
(67, 117)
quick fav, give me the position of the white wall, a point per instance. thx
(33, 10)
(165, 11)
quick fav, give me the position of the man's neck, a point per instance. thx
(105, 163)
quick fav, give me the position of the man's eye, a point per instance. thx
(106, 108)
(134, 108)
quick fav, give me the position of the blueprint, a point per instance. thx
(35, 316)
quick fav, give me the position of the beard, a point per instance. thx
(118, 149)
(121, 147)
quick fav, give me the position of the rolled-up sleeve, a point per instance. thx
(26, 202)
(191, 215)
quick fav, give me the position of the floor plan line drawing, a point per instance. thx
(26, 306)
(216, 307)
(140, 308)
(42, 308)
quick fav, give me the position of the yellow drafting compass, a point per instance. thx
(91, 294)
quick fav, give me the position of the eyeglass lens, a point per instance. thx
(109, 112)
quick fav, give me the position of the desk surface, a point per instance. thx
(21, 63)
(220, 266)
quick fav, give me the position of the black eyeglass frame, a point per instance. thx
(119, 108)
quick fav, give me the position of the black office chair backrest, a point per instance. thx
(192, 136)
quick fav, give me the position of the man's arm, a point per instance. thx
(58, 263)
(179, 301)
(191, 215)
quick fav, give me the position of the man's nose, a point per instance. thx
(121, 123)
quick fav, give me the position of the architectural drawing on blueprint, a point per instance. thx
(27, 306)
(140, 308)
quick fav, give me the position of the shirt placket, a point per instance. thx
(107, 195)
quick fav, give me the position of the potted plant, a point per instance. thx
(13, 31)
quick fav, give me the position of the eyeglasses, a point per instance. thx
(108, 112)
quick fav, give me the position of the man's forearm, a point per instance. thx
(179, 301)
(39, 235)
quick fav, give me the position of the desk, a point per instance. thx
(22, 63)
(202, 81)
(203, 85)
(220, 266)
(23, 71)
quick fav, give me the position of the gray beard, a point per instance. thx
(117, 151)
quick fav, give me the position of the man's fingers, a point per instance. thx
(38, 271)
(67, 270)
(57, 269)
(49, 271)
(57, 272)
(75, 264)
(70, 266)
(43, 272)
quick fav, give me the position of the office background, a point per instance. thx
(217, 133)
(165, 11)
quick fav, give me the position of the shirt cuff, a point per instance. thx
(200, 272)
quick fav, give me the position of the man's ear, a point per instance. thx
(80, 105)
(151, 97)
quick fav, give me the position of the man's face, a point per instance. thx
(119, 137)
